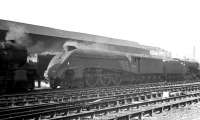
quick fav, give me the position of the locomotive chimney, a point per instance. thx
(11, 41)
(70, 45)
(69, 48)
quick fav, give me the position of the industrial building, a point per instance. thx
(41, 39)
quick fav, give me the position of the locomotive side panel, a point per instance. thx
(89, 62)
(135, 67)
(98, 68)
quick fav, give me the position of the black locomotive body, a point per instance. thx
(15, 73)
(81, 68)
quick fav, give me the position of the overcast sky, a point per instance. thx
(170, 24)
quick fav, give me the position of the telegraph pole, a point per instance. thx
(194, 52)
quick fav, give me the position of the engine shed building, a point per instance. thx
(41, 39)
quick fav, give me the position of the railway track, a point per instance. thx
(104, 109)
(53, 108)
(70, 105)
(129, 112)
(57, 96)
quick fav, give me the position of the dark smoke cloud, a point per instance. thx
(34, 44)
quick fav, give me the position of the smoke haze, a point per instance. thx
(86, 45)
(18, 33)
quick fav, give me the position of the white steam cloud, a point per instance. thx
(18, 33)
(92, 46)
(70, 43)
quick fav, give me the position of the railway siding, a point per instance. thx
(153, 110)
(135, 110)
(69, 96)
(110, 101)
(72, 112)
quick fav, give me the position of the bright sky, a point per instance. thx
(170, 24)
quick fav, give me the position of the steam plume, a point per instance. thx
(71, 43)
(85, 45)
(18, 33)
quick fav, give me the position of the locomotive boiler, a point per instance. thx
(81, 68)
(15, 73)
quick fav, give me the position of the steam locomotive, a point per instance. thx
(81, 68)
(16, 74)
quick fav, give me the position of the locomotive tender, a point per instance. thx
(81, 68)
(15, 73)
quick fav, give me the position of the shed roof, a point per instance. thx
(40, 30)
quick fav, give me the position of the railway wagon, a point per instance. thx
(192, 67)
(148, 69)
(174, 70)
(192, 70)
